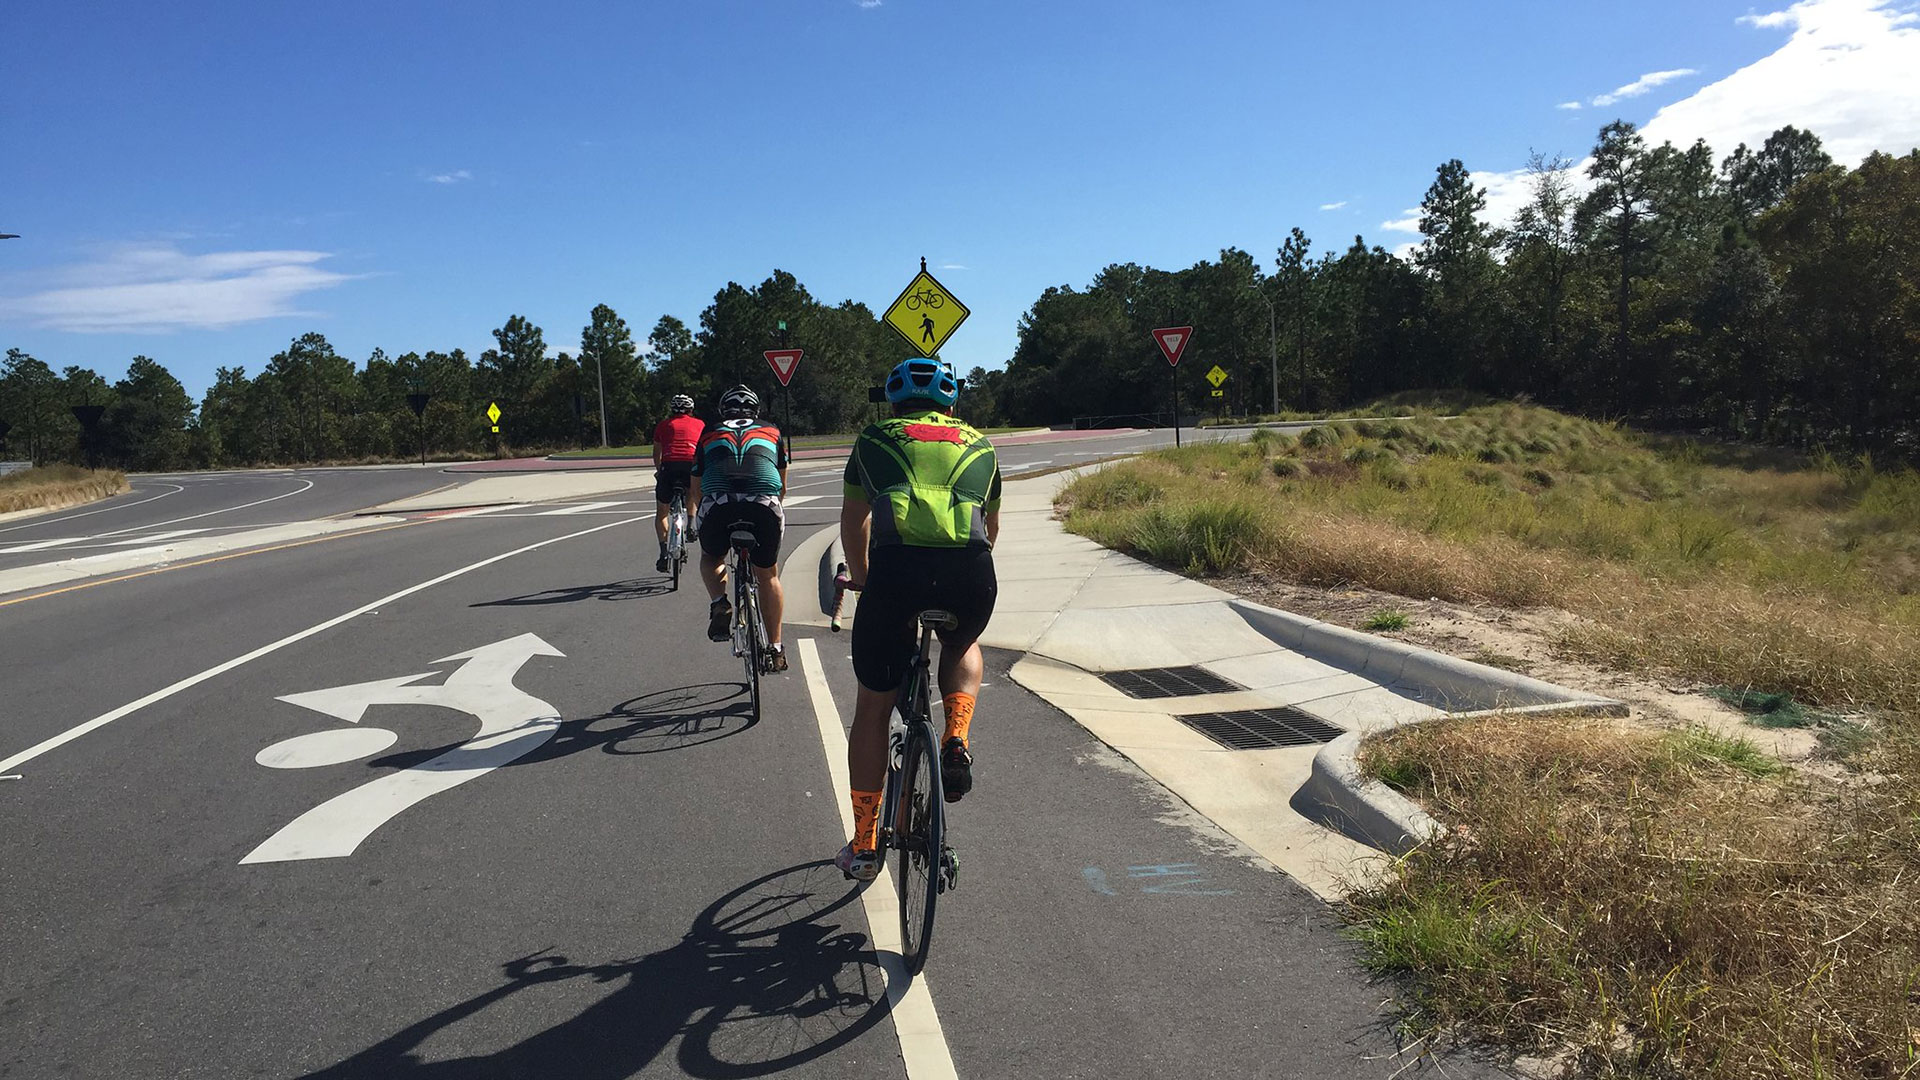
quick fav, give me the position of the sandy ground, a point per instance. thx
(1523, 641)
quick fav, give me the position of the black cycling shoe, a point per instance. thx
(660, 564)
(718, 616)
(956, 769)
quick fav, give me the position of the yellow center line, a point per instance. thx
(203, 562)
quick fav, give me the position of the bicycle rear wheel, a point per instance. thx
(747, 610)
(918, 839)
(676, 540)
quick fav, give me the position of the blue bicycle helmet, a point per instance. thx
(932, 380)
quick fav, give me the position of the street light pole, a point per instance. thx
(600, 377)
(1273, 346)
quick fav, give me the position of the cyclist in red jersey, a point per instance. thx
(676, 443)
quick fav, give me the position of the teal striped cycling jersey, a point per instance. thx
(740, 457)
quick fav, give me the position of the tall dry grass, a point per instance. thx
(57, 485)
(1651, 906)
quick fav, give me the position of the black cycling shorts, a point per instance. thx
(722, 518)
(904, 581)
(670, 479)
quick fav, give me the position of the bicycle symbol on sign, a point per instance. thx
(928, 296)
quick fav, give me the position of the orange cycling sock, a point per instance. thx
(866, 820)
(959, 716)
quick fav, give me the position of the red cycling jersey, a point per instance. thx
(677, 439)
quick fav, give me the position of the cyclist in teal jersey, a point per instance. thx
(739, 481)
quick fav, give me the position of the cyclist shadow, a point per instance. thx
(672, 719)
(630, 589)
(766, 979)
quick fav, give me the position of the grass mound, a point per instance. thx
(57, 485)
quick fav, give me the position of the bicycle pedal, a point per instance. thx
(949, 869)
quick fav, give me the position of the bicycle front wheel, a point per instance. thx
(918, 839)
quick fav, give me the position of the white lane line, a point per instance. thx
(38, 545)
(478, 510)
(796, 500)
(177, 489)
(158, 536)
(210, 513)
(583, 508)
(191, 681)
(923, 1045)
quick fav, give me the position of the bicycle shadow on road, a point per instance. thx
(767, 978)
(653, 723)
(630, 589)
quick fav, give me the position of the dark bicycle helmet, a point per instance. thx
(680, 403)
(932, 380)
(738, 402)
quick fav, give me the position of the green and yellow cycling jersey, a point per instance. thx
(929, 478)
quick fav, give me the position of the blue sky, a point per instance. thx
(203, 182)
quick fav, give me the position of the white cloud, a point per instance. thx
(1333, 205)
(1847, 74)
(953, 266)
(1643, 84)
(160, 288)
(454, 177)
(1568, 105)
(1405, 224)
(869, 3)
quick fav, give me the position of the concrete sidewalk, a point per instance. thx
(1079, 611)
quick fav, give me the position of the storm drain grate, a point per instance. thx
(1166, 682)
(1262, 729)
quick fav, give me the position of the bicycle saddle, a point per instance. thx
(939, 620)
(743, 536)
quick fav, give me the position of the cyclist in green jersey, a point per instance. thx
(921, 513)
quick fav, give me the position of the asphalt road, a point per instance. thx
(619, 876)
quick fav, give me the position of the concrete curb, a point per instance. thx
(1459, 683)
(1337, 792)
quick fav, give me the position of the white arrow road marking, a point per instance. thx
(98, 722)
(512, 723)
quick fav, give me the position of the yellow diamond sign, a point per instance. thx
(926, 314)
(1216, 376)
(493, 412)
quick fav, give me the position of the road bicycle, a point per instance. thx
(932, 299)
(913, 822)
(749, 632)
(677, 537)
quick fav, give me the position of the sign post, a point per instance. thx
(1173, 343)
(89, 417)
(493, 420)
(418, 403)
(1217, 375)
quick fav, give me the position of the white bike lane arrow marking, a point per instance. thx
(512, 723)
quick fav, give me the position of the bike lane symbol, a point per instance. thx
(512, 724)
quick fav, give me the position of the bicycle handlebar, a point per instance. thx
(842, 583)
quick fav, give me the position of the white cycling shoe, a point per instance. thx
(858, 865)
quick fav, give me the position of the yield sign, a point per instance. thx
(785, 362)
(1173, 341)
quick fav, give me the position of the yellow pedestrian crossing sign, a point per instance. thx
(926, 314)
(1216, 377)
